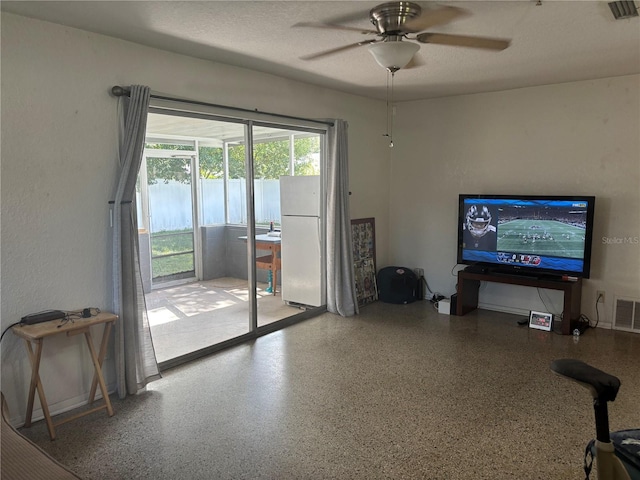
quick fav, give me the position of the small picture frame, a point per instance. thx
(540, 320)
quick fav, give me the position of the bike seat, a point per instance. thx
(602, 386)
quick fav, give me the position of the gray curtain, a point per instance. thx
(134, 354)
(341, 290)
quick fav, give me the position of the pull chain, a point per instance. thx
(393, 74)
(390, 74)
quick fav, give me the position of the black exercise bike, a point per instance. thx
(617, 454)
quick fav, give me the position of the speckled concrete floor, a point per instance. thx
(398, 392)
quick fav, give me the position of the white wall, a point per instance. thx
(59, 167)
(574, 138)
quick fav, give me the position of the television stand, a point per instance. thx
(517, 275)
(469, 283)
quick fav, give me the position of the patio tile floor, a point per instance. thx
(196, 315)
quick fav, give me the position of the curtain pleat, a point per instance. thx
(341, 290)
(135, 358)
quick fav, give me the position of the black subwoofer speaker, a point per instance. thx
(397, 285)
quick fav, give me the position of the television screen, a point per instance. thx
(537, 235)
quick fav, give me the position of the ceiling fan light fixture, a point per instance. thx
(393, 55)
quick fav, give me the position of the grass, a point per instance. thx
(165, 267)
(173, 242)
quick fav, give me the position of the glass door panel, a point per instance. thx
(187, 319)
(278, 152)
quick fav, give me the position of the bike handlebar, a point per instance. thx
(603, 387)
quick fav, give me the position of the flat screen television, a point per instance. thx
(526, 234)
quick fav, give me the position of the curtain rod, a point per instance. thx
(119, 91)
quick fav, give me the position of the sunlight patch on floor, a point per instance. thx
(164, 315)
(159, 316)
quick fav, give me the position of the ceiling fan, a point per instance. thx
(394, 22)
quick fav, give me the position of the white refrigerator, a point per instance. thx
(301, 240)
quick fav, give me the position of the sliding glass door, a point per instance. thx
(218, 275)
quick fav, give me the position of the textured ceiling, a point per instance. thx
(555, 42)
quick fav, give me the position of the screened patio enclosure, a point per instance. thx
(206, 185)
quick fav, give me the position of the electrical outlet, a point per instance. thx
(600, 296)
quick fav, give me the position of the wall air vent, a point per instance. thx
(626, 315)
(623, 9)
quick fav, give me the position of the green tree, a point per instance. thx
(165, 169)
(211, 162)
(271, 159)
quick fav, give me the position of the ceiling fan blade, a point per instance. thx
(431, 18)
(358, 15)
(464, 41)
(332, 26)
(315, 56)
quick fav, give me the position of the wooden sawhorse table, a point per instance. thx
(272, 261)
(35, 334)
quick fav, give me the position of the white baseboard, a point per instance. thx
(525, 313)
(503, 309)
